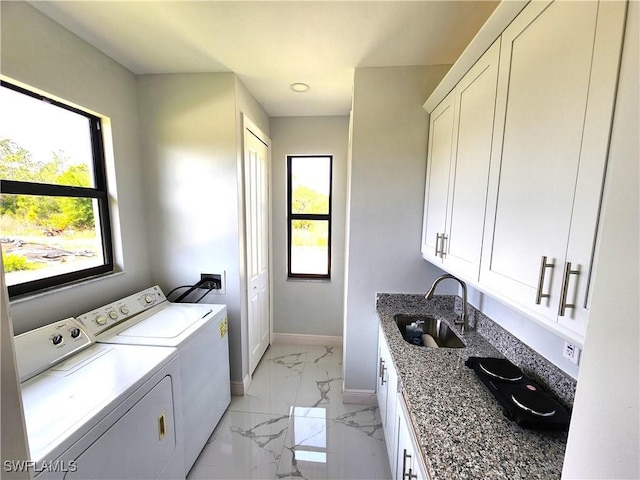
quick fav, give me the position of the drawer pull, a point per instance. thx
(437, 244)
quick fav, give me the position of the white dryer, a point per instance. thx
(98, 411)
(198, 331)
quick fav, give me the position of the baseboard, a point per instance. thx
(300, 339)
(240, 388)
(359, 397)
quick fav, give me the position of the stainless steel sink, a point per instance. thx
(439, 330)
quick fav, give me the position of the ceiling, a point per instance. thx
(272, 44)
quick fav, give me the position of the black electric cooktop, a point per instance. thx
(522, 400)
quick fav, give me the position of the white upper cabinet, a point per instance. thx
(556, 88)
(437, 186)
(460, 136)
(517, 156)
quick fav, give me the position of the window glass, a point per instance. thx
(309, 214)
(44, 143)
(310, 247)
(54, 217)
(311, 184)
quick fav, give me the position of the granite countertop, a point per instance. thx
(458, 423)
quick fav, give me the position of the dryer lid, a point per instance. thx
(169, 322)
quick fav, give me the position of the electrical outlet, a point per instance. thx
(571, 352)
(211, 280)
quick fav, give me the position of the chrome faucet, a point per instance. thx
(463, 320)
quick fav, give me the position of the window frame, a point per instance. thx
(291, 217)
(100, 192)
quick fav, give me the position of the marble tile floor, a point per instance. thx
(293, 424)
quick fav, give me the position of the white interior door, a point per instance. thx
(256, 179)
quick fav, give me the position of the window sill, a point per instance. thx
(308, 280)
(55, 290)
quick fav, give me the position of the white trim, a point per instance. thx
(359, 397)
(301, 339)
(240, 388)
(501, 17)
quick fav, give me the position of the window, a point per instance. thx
(54, 216)
(309, 216)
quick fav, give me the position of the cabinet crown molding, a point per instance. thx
(501, 17)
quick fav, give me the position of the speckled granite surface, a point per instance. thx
(459, 424)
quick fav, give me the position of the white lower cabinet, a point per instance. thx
(405, 459)
(386, 392)
(409, 465)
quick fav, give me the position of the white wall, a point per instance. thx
(388, 166)
(604, 437)
(42, 54)
(191, 141)
(308, 307)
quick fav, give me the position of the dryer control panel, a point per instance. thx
(102, 319)
(39, 349)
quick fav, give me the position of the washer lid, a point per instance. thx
(169, 322)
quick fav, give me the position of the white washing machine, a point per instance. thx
(99, 411)
(198, 331)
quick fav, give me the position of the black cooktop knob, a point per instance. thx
(57, 339)
(75, 332)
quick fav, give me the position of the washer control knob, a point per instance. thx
(75, 332)
(113, 315)
(101, 320)
(124, 310)
(57, 339)
(148, 298)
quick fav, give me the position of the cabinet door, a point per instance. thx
(547, 62)
(409, 465)
(391, 425)
(437, 183)
(386, 392)
(382, 385)
(475, 97)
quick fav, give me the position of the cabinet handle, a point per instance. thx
(543, 268)
(443, 239)
(565, 287)
(437, 243)
(410, 474)
(162, 426)
(404, 463)
(380, 367)
(384, 369)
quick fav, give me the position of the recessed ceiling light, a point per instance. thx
(300, 87)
